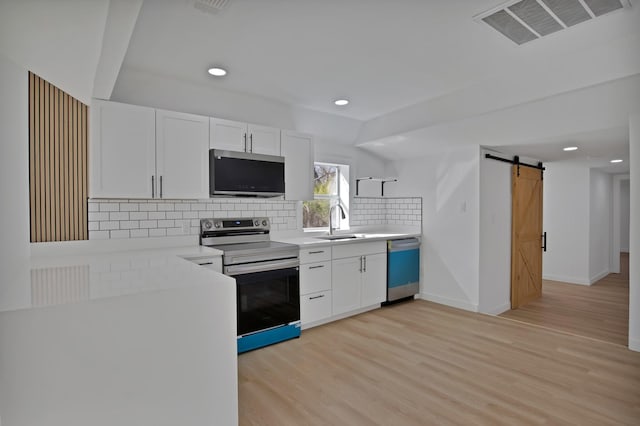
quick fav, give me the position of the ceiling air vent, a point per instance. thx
(211, 6)
(526, 20)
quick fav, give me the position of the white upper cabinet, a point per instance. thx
(122, 150)
(263, 139)
(182, 160)
(243, 137)
(297, 149)
(139, 152)
(227, 134)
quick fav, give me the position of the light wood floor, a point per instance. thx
(600, 311)
(421, 363)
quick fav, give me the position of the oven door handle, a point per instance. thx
(248, 268)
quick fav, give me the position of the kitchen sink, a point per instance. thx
(340, 237)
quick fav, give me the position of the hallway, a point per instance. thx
(600, 311)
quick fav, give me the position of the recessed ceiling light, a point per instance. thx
(616, 161)
(341, 102)
(218, 72)
(570, 148)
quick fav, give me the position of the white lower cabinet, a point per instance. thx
(344, 278)
(315, 285)
(347, 283)
(358, 276)
(315, 307)
(374, 280)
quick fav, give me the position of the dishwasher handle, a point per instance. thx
(404, 244)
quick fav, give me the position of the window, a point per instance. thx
(331, 187)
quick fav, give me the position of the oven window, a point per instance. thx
(267, 299)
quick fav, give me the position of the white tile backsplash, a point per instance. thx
(386, 211)
(153, 218)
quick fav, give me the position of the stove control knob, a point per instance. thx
(207, 224)
(256, 223)
(264, 222)
(218, 224)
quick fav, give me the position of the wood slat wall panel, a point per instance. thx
(58, 172)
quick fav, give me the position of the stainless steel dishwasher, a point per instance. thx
(403, 268)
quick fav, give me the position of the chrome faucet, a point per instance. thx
(331, 228)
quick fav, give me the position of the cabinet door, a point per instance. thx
(297, 150)
(263, 140)
(122, 150)
(374, 280)
(227, 134)
(346, 284)
(182, 146)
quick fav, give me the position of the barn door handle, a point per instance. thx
(544, 241)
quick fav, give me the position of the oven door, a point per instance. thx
(267, 299)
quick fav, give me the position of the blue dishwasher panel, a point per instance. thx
(403, 267)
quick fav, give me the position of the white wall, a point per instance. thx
(59, 40)
(495, 235)
(634, 233)
(14, 180)
(624, 215)
(566, 221)
(14, 162)
(448, 184)
(600, 202)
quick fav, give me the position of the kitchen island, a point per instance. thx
(141, 337)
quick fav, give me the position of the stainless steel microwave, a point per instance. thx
(245, 174)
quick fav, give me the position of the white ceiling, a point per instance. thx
(405, 65)
(595, 149)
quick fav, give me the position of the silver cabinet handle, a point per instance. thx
(365, 263)
(153, 187)
(160, 186)
(316, 267)
(316, 252)
(316, 297)
(251, 142)
(361, 263)
(245, 142)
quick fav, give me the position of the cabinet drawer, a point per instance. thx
(317, 254)
(359, 249)
(315, 307)
(315, 277)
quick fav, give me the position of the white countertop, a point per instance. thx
(314, 241)
(141, 337)
(123, 337)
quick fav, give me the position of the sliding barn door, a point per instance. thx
(526, 235)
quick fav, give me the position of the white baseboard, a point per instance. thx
(634, 344)
(599, 276)
(460, 304)
(566, 279)
(496, 310)
(576, 280)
